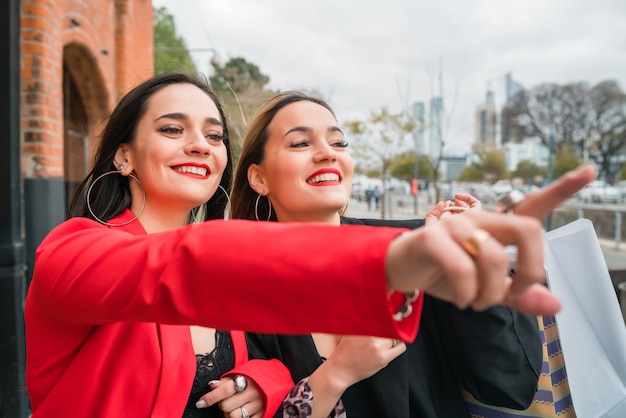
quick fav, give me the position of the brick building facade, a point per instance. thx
(76, 59)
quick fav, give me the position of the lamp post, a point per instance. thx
(418, 116)
(13, 395)
(550, 161)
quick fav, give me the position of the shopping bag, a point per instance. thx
(590, 323)
(552, 398)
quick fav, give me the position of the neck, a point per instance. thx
(159, 220)
(331, 218)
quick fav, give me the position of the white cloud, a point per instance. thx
(365, 54)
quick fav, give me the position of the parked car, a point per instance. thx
(621, 185)
(599, 191)
(482, 192)
(501, 187)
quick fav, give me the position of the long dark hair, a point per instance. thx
(110, 196)
(243, 197)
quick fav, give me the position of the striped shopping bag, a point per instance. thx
(553, 397)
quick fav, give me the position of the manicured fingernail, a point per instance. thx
(201, 404)
(214, 382)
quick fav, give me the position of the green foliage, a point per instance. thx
(565, 160)
(382, 135)
(239, 76)
(170, 49)
(622, 175)
(472, 173)
(402, 166)
(493, 165)
(241, 88)
(373, 173)
(528, 172)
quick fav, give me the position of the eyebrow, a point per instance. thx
(183, 116)
(309, 130)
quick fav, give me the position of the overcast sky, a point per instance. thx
(362, 55)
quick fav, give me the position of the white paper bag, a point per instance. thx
(590, 324)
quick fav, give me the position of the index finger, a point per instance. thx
(541, 203)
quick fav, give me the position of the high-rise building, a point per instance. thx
(435, 127)
(491, 127)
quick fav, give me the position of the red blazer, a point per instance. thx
(108, 309)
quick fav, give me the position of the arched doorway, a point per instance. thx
(85, 105)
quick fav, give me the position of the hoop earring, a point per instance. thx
(143, 205)
(256, 209)
(228, 204)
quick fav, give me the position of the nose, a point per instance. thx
(324, 152)
(197, 144)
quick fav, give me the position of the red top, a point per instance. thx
(108, 308)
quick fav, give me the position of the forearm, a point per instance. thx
(168, 277)
(327, 389)
(302, 403)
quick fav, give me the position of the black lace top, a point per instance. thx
(210, 367)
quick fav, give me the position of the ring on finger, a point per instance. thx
(244, 413)
(394, 343)
(240, 383)
(474, 242)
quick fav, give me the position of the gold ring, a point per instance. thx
(473, 243)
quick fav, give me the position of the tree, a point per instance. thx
(565, 160)
(403, 166)
(608, 125)
(590, 120)
(383, 135)
(490, 167)
(472, 173)
(528, 172)
(494, 165)
(170, 49)
(238, 75)
(440, 119)
(241, 87)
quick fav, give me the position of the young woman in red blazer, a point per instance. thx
(294, 167)
(122, 311)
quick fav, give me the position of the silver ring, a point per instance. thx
(244, 413)
(240, 383)
(508, 202)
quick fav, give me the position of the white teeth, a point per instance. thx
(323, 178)
(200, 171)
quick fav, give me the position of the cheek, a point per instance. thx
(221, 158)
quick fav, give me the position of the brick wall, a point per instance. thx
(77, 58)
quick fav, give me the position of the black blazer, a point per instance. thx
(496, 355)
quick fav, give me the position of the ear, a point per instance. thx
(121, 159)
(256, 179)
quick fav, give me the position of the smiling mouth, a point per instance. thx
(189, 169)
(323, 178)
